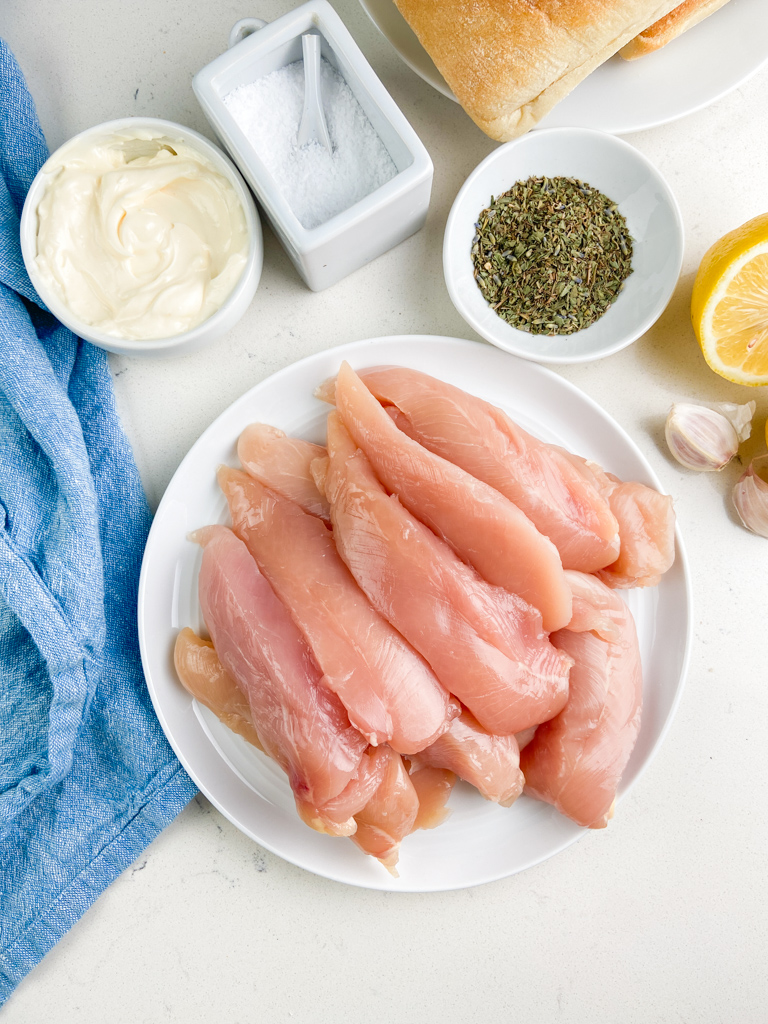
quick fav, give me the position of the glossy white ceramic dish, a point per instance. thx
(381, 220)
(480, 841)
(696, 69)
(620, 172)
(231, 310)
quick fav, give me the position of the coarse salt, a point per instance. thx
(316, 184)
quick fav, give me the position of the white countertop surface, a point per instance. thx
(661, 916)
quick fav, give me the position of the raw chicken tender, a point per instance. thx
(433, 787)
(282, 464)
(484, 441)
(336, 816)
(524, 738)
(380, 797)
(390, 693)
(490, 763)
(202, 674)
(595, 608)
(646, 528)
(390, 814)
(484, 527)
(575, 761)
(486, 646)
(300, 723)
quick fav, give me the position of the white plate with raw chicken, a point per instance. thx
(480, 841)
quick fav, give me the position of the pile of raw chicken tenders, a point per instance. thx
(431, 595)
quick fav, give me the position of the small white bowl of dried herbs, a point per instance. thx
(563, 246)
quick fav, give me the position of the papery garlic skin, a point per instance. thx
(750, 496)
(706, 438)
(739, 416)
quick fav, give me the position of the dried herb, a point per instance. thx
(551, 254)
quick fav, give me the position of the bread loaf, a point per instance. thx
(663, 31)
(509, 62)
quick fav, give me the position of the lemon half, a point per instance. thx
(729, 305)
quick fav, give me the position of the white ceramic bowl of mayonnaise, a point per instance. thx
(141, 237)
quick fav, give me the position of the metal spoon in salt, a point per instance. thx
(313, 127)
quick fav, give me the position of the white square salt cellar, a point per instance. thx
(348, 239)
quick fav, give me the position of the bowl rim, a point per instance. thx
(249, 277)
(628, 152)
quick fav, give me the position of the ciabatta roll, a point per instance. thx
(510, 61)
(663, 31)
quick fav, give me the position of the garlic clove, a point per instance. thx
(706, 438)
(750, 496)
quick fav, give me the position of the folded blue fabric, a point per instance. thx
(87, 778)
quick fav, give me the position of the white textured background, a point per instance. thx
(661, 917)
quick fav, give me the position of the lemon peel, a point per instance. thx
(729, 304)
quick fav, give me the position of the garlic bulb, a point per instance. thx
(706, 438)
(750, 496)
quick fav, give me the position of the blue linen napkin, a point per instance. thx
(87, 778)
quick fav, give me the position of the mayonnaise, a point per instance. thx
(139, 235)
